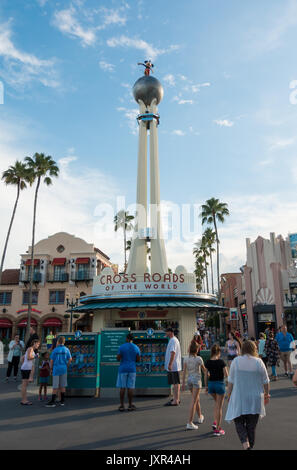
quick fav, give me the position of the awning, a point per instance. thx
(24, 322)
(140, 303)
(35, 262)
(52, 322)
(82, 260)
(26, 310)
(59, 262)
(5, 323)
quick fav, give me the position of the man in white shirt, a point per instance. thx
(173, 366)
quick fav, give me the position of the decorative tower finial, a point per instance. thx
(148, 67)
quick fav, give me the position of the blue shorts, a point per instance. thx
(43, 380)
(126, 380)
(49, 346)
(217, 388)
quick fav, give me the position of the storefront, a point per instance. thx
(265, 317)
(5, 328)
(291, 321)
(53, 325)
(22, 325)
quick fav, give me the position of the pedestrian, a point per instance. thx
(49, 340)
(261, 345)
(173, 366)
(198, 340)
(286, 345)
(295, 378)
(272, 351)
(193, 365)
(44, 374)
(33, 337)
(128, 355)
(54, 342)
(233, 346)
(247, 379)
(59, 361)
(26, 369)
(16, 348)
(216, 371)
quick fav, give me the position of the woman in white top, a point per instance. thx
(247, 379)
(193, 365)
(28, 360)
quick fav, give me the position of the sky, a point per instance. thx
(227, 127)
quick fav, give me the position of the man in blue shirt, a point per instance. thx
(286, 345)
(128, 354)
(60, 360)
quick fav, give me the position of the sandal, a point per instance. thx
(132, 408)
(121, 408)
(27, 403)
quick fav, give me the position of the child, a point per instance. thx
(215, 385)
(44, 375)
(193, 364)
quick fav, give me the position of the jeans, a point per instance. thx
(246, 428)
(273, 369)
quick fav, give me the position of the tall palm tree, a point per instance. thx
(214, 211)
(201, 250)
(209, 238)
(16, 175)
(123, 220)
(41, 168)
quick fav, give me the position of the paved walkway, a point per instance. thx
(89, 423)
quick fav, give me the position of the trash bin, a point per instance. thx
(205, 355)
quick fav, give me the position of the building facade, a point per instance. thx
(64, 267)
(232, 297)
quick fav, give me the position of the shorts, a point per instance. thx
(25, 374)
(230, 358)
(60, 381)
(49, 346)
(194, 382)
(173, 378)
(217, 387)
(285, 355)
(43, 380)
(126, 380)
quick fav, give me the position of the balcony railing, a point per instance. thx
(58, 277)
(82, 276)
(25, 277)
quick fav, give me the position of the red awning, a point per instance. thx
(59, 261)
(5, 323)
(24, 322)
(82, 260)
(36, 262)
(52, 322)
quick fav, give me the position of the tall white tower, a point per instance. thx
(148, 92)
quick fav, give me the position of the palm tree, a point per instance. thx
(201, 250)
(209, 238)
(214, 211)
(18, 176)
(41, 167)
(123, 220)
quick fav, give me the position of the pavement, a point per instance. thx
(96, 423)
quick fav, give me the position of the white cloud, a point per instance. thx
(224, 122)
(178, 132)
(185, 102)
(279, 144)
(67, 23)
(106, 67)
(196, 88)
(112, 17)
(150, 51)
(131, 115)
(169, 78)
(20, 68)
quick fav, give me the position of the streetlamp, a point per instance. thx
(71, 303)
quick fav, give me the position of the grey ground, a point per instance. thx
(90, 423)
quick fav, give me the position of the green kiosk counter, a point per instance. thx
(151, 377)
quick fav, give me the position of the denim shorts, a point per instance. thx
(217, 388)
(126, 380)
(194, 382)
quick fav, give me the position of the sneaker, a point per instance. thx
(51, 404)
(62, 403)
(40, 398)
(214, 425)
(201, 419)
(191, 426)
(219, 432)
(286, 374)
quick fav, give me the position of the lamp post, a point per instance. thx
(71, 303)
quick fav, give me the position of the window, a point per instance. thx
(26, 297)
(59, 273)
(57, 297)
(5, 298)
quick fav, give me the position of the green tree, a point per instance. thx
(214, 211)
(209, 238)
(201, 250)
(123, 220)
(16, 175)
(41, 169)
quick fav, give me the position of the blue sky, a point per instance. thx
(228, 125)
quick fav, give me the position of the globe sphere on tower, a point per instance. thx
(146, 89)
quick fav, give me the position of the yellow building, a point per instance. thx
(64, 266)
